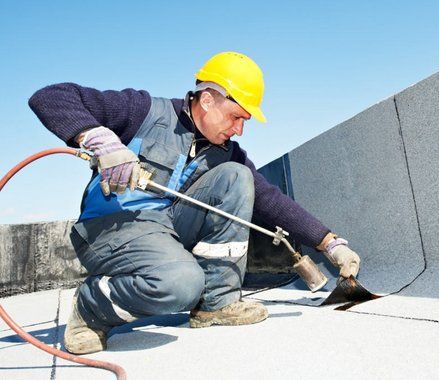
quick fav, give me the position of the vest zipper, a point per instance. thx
(192, 149)
(196, 155)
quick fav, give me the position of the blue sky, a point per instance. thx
(323, 62)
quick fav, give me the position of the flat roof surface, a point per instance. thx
(296, 341)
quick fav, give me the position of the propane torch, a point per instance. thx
(303, 265)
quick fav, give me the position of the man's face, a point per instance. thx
(223, 118)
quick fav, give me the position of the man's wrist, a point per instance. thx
(324, 243)
(81, 136)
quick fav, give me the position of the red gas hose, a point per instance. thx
(34, 157)
(119, 371)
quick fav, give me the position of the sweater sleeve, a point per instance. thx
(277, 209)
(66, 109)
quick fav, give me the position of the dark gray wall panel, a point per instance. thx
(263, 256)
(354, 178)
(278, 173)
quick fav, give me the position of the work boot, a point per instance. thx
(237, 313)
(80, 338)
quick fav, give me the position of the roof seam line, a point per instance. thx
(414, 201)
(56, 338)
(394, 316)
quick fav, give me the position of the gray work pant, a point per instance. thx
(147, 262)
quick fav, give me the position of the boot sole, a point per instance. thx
(84, 348)
(199, 323)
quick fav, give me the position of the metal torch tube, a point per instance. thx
(220, 212)
(304, 266)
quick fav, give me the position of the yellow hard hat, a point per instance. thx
(240, 76)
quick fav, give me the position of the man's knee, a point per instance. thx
(238, 177)
(187, 285)
(176, 287)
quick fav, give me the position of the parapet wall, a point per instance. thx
(36, 257)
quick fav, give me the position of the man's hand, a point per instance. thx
(340, 255)
(117, 164)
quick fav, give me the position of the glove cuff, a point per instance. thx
(331, 246)
(85, 136)
(118, 157)
(100, 140)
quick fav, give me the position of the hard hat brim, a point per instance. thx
(256, 112)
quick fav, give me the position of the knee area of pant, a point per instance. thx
(239, 176)
(183, 285)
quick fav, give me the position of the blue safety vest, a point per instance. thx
(162, 144)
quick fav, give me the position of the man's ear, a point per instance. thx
(206, 100)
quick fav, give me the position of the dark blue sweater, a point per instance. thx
(66, 109)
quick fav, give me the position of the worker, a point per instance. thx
(148, 253)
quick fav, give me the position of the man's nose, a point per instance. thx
(239, 127)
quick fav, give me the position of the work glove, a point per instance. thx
(341, 256)
(117, 164)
